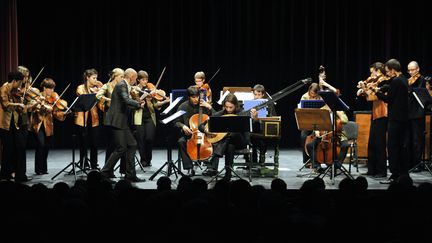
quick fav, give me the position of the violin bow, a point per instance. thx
(61, 95)
(160, 78)
(31, 84)
(214, 75)
(37, 76)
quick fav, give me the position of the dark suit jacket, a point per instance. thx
(397, 99)
(118, 113)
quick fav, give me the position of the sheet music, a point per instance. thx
(172, 105)
(173, 116)
(418, 99)
(222, 97)
(244, 95)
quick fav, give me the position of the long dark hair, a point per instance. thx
(233, 100)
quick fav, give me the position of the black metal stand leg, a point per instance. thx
(73, 163)
(424, 164)
(226, 168)
(171, 167)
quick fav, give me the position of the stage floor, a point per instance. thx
(290, 161)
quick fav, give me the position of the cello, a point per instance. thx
(324, 149)
(198, 146)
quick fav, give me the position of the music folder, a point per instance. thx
(83, 102)
(172, 105)
(230, 124)
(422, 96)
(173, 116)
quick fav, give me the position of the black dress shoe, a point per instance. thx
(368, 174)
(227, 177)
(389, 181)
(190, 172)
(209, 172)
(380, 176)
(135, 179)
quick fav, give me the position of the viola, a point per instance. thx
(158, 94)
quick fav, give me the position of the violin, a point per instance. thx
(60, 108)
(53, 98)
(95, 88)
(206, 92)
(158, 94)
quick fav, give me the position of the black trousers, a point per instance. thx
(125, 145)
(186, 161)
(42, 148)
(14, 152)
(396, 150)
(88, 139)
(226, 147)
(415, 141)
(144, 134)
(377, 154)
(258, 145)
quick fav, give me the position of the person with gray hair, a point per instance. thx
(416, 118)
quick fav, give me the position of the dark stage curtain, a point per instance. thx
(9, 38)
(274, 43)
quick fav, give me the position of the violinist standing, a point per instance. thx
(200, 83)
(191, 106)
(88, 128)
(104, 96)
(13, 129)
(416, 118)
(396, 96)
(145, 119)
(42, 125)
(377, 154)
(117, 118)
(231, 141)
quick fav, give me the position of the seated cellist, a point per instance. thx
(191, 106)
(325, 137)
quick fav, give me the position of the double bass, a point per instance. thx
(198, 146)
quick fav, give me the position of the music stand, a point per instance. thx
(312, 119)
(225, 124)
(81, 103)
(171, 167)
(335, 104)
(424, 99)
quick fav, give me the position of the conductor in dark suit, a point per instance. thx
(117, 119)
